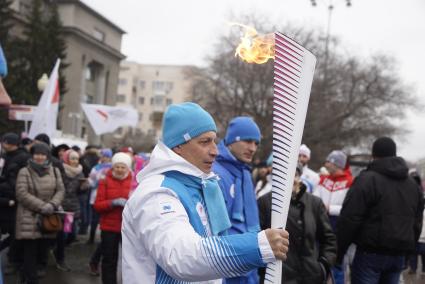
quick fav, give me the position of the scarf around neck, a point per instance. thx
(72, 171)
(244, 208)
(213, 197)
(40, 169)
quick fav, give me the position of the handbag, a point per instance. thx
(48, 224)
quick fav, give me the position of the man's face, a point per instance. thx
(331, 167)
(244, 150)
(263, 172)
(303, 159)
(199, 151)
(9, 147)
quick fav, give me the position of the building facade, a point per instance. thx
(93, 54)
(150, 89)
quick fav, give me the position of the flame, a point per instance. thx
(255, 48)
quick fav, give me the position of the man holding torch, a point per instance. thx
(175, 228)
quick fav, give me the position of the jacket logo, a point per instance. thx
(166, 208)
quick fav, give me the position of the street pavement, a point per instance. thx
(77, 258)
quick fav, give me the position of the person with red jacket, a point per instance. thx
(113, 192)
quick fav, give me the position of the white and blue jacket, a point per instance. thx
(166, 236)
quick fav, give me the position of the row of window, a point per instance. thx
(157, 86)
(157, 100)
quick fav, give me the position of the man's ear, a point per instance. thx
(178, 150)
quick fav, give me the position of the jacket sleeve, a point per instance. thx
(188, 256)
(102, 204)
(325, 236)
(353, 212)
(419, 214)
(57, 198)
(27, 199)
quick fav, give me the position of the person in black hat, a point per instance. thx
(13, 159)
(382, 215)
(313, 243)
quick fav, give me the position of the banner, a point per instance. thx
(107, 119)
(45, 117)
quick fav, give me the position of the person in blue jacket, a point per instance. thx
(236, 152)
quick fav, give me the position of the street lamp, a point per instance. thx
(42, 82)
(330, 4)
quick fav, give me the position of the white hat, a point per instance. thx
(122, 158)
(305, 150)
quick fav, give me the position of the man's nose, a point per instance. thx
(214, 150)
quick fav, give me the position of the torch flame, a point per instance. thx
(255, 48)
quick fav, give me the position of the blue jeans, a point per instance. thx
(413, 259)
(372, 268)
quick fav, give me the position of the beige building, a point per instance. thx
(93, 54)
(150, 89)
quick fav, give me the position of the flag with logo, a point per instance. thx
(106, 119)
(45, 117)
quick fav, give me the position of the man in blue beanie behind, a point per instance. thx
(175, 225)
(236, 152)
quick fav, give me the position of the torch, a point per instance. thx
(293, 75)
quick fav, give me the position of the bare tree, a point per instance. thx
(353, 100)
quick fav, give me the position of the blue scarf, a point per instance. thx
(213, 197)
(244, 207)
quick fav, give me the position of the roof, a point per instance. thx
(91, 11)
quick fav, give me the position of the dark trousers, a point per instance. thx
(372, 268)
(110, 242)
(97, 255)
(60, 247)
(413, 259)
(32, 248)
(93, 223)
(83, 199)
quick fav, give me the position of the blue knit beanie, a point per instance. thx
(183, 122)
(242, 128)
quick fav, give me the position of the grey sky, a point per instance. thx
(181, 32)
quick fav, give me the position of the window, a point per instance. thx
(99, 35)
(158, 100)
(169, 102)
(141, 100)
(122, 81)
(142, 84)
(162, 87)
(152, 100)
(120, 98)
(140, 116)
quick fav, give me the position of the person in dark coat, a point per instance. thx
(312, 243)
(13, 160)
(382, 215)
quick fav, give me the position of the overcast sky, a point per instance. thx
(182, 32)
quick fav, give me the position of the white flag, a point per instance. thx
(45, 117)
(106, 119)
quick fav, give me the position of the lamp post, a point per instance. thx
(41, 85)
(330, 8)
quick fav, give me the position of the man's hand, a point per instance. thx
(279, 242)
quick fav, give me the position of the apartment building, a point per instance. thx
(150, 89)
(93, 54)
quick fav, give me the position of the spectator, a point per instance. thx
(235, 153)
(111, 197)
(332, 190)
(75, 183)
(97, 173)
(13, 159)
(264, 183)
(382, 214)
(136, 166)
(88, 161)
(310, 178)
(39, 190)
(312, 242)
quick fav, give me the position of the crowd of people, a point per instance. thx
(201, 211)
